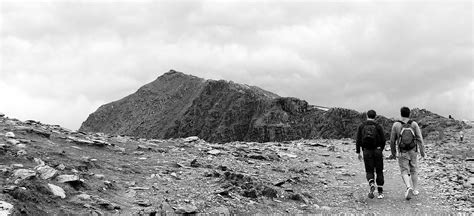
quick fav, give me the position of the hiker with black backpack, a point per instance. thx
(370, 138)
(406, 141)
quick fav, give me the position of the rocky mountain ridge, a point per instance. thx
(179, 105)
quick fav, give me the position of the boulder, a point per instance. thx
(57, 191)
(2, 115)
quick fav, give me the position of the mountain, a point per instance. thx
(179, 105)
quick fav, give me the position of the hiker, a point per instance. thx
(461, 135)
(370, 138)
(405, 142)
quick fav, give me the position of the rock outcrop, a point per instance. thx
(179, 105)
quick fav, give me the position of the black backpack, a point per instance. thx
(407, 136)
(369, 136)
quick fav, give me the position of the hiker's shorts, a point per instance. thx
(408, 162)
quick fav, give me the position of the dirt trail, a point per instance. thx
(428, 201)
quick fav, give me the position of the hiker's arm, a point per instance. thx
(419, 137)
(382, 137)
(358, 139)
(393, 139)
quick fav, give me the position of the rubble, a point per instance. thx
(105, 175)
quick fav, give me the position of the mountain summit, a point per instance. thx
(180, 105)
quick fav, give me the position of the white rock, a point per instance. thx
(17, 165)
(61, 167)
(83, 197)
(67, 178)
(21, 146)
(57, 191)
(39, 161)
(5, 208)
(99, 176)
(191, 139)
(46, 171)
(214, 152)
(24, 173)
(287, 155)
(21, 152)
(10, 135)
(13, 141)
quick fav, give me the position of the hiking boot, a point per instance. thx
(416, 192)
(409, 193)
(380, 196)
(371, 192)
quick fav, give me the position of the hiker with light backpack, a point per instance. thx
(406, 141)
(370, 137)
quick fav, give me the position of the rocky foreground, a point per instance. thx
(49, 170)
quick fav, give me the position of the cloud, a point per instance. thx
(61, 60)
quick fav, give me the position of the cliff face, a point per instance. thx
(180, 105)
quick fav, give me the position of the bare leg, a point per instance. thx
(414, 180)
(407, 180)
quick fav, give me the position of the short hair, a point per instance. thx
(405, 112)
(371, 114)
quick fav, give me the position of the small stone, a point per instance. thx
(99, 176)
(13, 142)
(144, 203)
(186, 209)
(283, 154)
(39, 161)
(24, 173)
(5, 208)
(10, 135)
(84, 197)
(21, 146)
(46, 171)
(67, 178)
(61, 167)
(17, 165)
(57, 191)
(195, 163)
(21, 152)
(214, 152)
(191, 139)
(326, 208)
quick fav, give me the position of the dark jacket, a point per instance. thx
(380, 138)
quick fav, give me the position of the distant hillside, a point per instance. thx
(180, 105)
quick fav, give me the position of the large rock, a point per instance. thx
(24, 173)
(46, 172)
(5, 208)
(57, 191)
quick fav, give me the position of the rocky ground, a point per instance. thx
(49, 170)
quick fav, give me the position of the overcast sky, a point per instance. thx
(61, 60)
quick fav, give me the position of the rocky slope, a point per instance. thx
(179, 105)
(49, 170)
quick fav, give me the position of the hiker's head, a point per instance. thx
(405, 112)
(371, 114)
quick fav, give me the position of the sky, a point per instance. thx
(61, 60)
